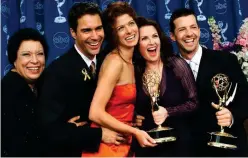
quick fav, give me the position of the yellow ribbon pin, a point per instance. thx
(86, 75)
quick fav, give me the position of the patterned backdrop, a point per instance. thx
(49, 17)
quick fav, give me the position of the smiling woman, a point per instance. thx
(170, 84)
(30, 61)
(27, 52)
(114, 108)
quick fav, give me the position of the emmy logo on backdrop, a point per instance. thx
(128, 1)
(222, 87)
(39, 27)
(240, 12)
(5, 30)
(168, 14)
(222, 31)
(60, 18)
(200, 17)
(23, 18)
(151, 82)
(7, 69)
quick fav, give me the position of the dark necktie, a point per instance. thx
(34, 90)
(93, 69)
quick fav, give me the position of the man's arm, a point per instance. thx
(57, 131)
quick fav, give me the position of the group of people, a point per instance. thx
(94, 103)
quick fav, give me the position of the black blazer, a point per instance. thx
(204, 120)
(19, 134)
(65, 94)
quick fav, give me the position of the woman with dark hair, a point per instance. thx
(27, 52)
(175, 89)
(113, 102)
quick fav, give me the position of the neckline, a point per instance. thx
(125, 84)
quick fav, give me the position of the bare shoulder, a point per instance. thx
(113, 60)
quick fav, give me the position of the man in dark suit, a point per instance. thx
(205, 64)
(68, 87)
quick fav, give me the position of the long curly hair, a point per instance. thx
(166, 49)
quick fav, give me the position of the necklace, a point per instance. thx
(128, 62)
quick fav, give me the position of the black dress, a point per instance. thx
(178, 96)
(19, 129)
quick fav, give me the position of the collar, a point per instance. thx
(86, 59)
(196, 58)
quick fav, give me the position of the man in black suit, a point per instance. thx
(68, 88)
(205, 64)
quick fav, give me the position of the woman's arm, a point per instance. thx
(183, 71)
(108, 78)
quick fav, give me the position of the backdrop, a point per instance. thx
(49, 17)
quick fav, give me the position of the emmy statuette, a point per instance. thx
(222, 87)
(151, 81)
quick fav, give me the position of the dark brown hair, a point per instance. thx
(80, 9)
(166, 49)
(180, 13)
(113, 11)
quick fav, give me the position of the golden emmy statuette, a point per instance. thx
(151, 81)
(222, 87)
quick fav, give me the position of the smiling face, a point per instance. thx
(89, 35)
(127, 31)
(186, 34)
(30, 61)
(149, 43)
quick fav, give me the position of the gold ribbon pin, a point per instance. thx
(86, 75)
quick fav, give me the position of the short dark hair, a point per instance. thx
(180, 13)
(21, 35)
(80, 9)
(166, 49)
(110, 14)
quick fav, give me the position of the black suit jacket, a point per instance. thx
(204, 120)
(19, 135)
(65, 94)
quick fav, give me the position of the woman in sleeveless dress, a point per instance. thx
(113, 102)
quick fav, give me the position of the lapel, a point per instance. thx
(77, 60)
(204, 67)
(207, 69)
(80, 68)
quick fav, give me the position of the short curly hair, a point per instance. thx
(21, 35)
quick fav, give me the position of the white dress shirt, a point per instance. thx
(86, 59)
(194, 63)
